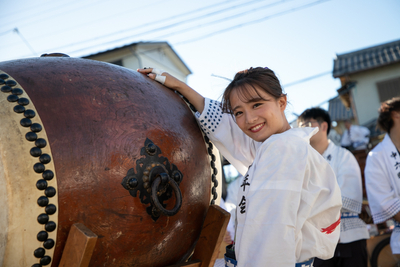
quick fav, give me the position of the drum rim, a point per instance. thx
(40, 223)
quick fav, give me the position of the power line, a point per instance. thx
(35, 5)
(62, 11)
(320, 104)
(25, 41)
(94, 21)
(143, 25)
(219, 20)
(221, 77)
(159, 28)
(223, 30)
(4, 33)
(307, 79)
(252, 22)
(235, 16)
(289, 84)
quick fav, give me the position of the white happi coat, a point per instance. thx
(382, 179)
(289, 201)
(358, 137)
(348, 175)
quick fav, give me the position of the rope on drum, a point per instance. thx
(210, 152)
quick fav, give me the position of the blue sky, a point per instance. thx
(295, 38)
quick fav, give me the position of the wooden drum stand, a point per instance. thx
(81, 242)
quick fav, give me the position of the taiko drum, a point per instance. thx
(93, 143)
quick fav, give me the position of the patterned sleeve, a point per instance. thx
(211, 117)
(234, 145)
(350, 182)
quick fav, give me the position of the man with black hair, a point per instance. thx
(352, 249)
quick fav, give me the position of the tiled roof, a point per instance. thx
(365, 59)
(338, 111)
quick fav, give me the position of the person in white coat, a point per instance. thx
(382, 171)
(355, 137)
(352, 248)
(289, 202)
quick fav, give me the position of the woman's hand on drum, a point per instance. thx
(175, 84)
(163, 78)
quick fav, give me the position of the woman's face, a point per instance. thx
(259, 118)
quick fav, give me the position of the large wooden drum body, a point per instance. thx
(76, 138)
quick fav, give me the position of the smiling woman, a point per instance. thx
(288, 207)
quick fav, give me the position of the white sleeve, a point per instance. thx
(231, 141)
(349, 179)
(382, 199)
(322, 197)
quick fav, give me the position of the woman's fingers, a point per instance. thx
(157, 77)
(157, 71)
(155, 74)
(151, 70)
(145, 71)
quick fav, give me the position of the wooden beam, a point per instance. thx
(211, 236)
(79, 247)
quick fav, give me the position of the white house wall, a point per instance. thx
(154, 59)
(131, 62)
(365, 93)
(110, 57)
(159, 59)
(158, 55)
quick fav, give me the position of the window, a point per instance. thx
(388, 89)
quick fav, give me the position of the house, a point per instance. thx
(368, 77)
(145, 54)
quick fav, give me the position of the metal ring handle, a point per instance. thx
(157, 203)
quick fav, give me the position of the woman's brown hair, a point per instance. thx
(385, 121)
(246, 81)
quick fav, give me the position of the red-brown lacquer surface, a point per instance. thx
(97, 117)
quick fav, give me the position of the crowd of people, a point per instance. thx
(299, 197)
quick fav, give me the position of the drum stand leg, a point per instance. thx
(79, 247)
(210, 240)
